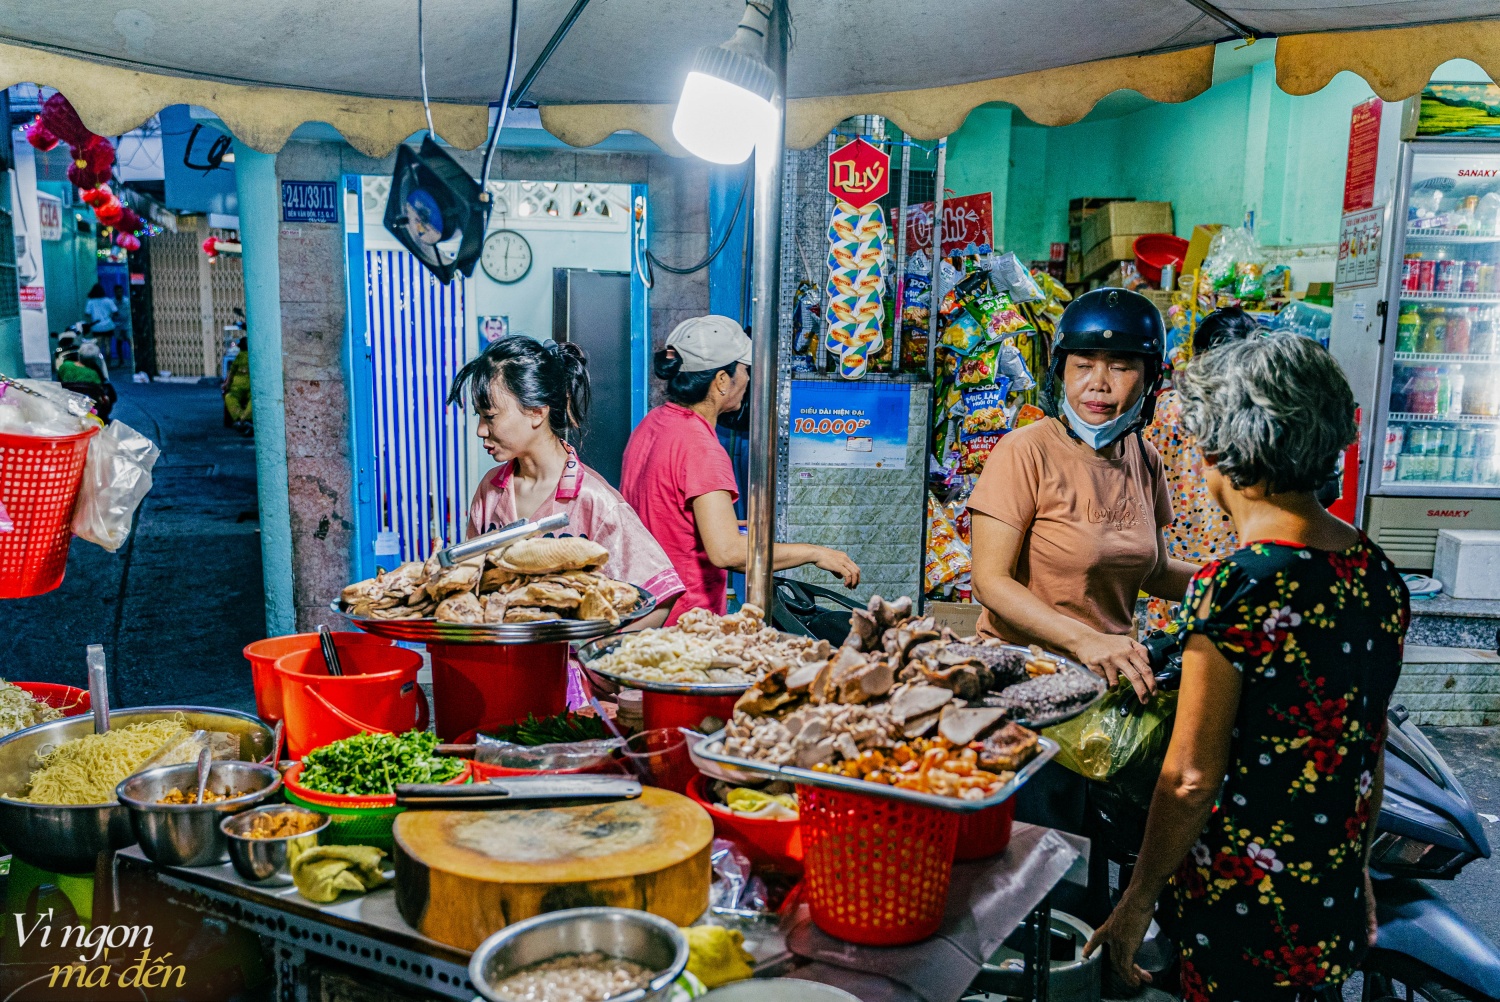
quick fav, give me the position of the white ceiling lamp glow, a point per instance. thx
(726, 106)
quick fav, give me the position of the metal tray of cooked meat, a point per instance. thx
(613, 682)
(712, 749)
(1076, 674)
(551, 631)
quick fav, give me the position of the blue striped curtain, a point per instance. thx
(417, 330)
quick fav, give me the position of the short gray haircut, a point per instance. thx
(1273, 410)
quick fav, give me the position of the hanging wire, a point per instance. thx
(652, 262)
(510, 80)
(422, 68)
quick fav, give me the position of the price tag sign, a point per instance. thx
(859, 174)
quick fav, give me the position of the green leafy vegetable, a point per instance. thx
(558, 729)
(368, 765)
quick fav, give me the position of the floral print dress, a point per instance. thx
(1271, 900)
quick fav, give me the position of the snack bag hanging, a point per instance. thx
(857, 260)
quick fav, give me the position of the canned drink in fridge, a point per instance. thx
(1395, 439)
(1469, 285)
(1447, 466)
(1486, 278)
(1463, 469)
(1467, 440)
(1411, 270)
(1408, 467)
(1446, 278)
(1427, 277)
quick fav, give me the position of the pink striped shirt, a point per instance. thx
(595, 510)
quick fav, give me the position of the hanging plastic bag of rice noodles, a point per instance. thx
(1117, 734)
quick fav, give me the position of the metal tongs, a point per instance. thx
(525, 791)
(514, 532)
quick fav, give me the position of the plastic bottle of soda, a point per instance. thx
(1408, 328)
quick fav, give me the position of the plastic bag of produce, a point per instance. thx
(1111, 737)
(1229, 247)
(569, 756)
(116, 476)
(1009, 275)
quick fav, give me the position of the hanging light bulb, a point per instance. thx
(725, 107)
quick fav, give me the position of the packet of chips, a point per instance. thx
(947, 556)
(981, 366)
(1028, 414)
(1009, 276)
(1010, 363)
(984, 409)
(963, 334)
(974, 449)
(1000, 316)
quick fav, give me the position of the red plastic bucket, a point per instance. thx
(666, 709)
(378, 692)
(39, 480)
(876, 869)
(1154, 251)
(262, 656)
(986, 833)
(70, 699)
(481, 686)
(773, 842)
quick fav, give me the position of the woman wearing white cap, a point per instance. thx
(678, 478)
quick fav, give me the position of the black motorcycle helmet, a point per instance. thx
(1113, 320)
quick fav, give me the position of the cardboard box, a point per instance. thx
(1104, 256)
(1125, 218)
(1161, 298)
(1203, 235)
(1078, 208)
(960, 617)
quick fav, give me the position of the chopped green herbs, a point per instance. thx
(369, 765)
(559, 729)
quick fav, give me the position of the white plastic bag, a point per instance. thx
(38, 407)
(116, 475)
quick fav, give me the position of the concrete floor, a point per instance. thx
(175, 605)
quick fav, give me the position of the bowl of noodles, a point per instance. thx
(58, 808)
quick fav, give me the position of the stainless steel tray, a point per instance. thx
(611, 682)
(428, 630)
(712, 749)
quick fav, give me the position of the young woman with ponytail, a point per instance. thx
(528, 395)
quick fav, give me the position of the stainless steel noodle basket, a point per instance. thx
(67, 838)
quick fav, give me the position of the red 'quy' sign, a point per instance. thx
(859, 174)
(968, 225)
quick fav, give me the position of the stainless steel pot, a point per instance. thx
(646, 939)
(67, 838)
(189, 834)
(268, 860)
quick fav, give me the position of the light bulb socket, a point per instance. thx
(741, 59)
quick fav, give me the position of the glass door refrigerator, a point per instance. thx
(1437, 435)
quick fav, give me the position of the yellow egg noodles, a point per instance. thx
(86, 770)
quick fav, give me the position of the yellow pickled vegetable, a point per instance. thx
(757, 804)
(717, 955)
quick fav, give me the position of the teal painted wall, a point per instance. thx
(70, 265)
(1242, 145)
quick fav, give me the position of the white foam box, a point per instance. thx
(1467, 562)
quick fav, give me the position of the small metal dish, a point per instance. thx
(646, 939)
(268, 861)
(189, 834)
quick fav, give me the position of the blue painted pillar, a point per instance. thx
(260, 231)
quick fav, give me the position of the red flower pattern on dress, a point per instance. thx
(1241, 869)
(1193, 989)
(1354, 827)
(1255, 642)
(1301, 964)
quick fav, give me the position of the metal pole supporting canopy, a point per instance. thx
(765, 327)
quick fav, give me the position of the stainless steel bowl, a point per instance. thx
(189, 834)
(646, 939)
(268, 860)
(67, 838)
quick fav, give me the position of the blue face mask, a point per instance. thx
(1097, 436)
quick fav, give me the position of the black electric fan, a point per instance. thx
(436, 211)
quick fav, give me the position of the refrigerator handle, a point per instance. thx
(1380, 311)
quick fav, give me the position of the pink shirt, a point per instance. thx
(595, 510)
(673, 457)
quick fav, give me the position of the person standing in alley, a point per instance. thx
(237, 390)
(99, 311)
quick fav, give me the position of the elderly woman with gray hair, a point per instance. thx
(1264, 812)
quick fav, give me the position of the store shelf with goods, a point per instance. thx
(1399, 417)
(1408, 296)
(1425, 356)
(1448, 237)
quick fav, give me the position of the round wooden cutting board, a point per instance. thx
(462, 875)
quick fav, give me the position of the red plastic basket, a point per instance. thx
(876, 869)
(986, 833)
(70, 699)
(39, 478)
